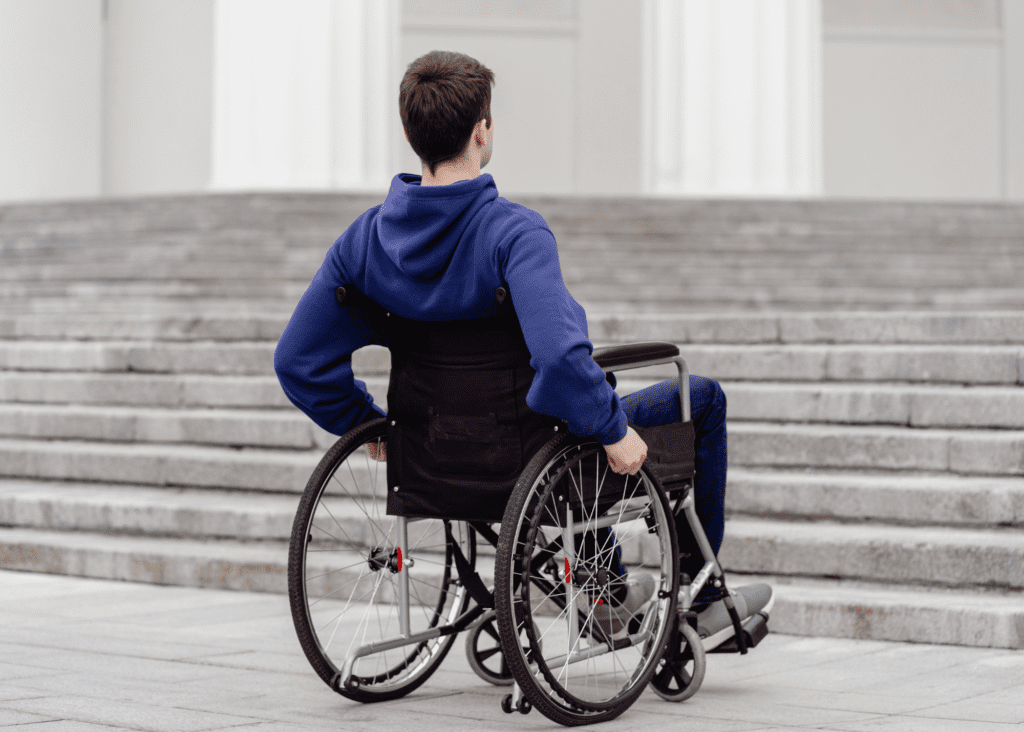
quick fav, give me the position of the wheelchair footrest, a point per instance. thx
(755, 629)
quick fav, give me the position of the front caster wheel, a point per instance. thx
(524, 707)
(483, 650)
(681, 671)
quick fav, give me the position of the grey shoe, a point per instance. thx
(714, 624)
(612, 617)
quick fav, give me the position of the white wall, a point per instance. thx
(914, 98)
(566, 100)
(1013, 98)
(301, 91)
(158, 96)
(50, 98)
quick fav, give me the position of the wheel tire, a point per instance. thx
(487, 661)
(681, 670)
(589, 691)
(351, 574)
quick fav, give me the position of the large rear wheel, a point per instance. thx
(345, 567)
(586, 576)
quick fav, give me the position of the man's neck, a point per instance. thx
(450, 173)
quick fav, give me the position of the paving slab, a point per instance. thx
(787, 683)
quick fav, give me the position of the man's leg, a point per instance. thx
(659, 404)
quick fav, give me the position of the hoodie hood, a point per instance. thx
(419, 227)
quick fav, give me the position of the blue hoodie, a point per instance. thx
(439, 253)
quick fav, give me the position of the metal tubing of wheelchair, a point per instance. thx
(684, 379)
(641, 636)
(403, 578)
(689, 508)
(463, 622)
(396, 642)
(684, 388)
(698, 584)
(569, 547)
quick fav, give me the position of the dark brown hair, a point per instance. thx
(442, 97)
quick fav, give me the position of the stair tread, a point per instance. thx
(831, 532)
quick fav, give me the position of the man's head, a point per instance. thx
(442, 98)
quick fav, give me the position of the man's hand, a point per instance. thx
(380, 456)
(628, 454)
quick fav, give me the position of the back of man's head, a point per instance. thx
(442, 97)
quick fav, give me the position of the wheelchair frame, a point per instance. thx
(681, 646)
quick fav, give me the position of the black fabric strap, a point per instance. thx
(470, 578)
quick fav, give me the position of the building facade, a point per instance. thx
(920, 99)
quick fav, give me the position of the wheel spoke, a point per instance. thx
(340, 608)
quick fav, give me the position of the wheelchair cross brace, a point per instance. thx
(405, 638)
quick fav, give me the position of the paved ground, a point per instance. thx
(80, 655)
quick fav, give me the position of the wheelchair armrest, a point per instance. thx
(634, 355)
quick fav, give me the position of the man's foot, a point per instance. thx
(613, 616)
(714, 624)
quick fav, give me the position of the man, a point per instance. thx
(436, 250)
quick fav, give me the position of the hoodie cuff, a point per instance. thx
(617, 433)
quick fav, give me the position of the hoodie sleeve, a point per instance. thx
(569, 384)
(313, 359)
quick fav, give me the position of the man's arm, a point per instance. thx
(313, 359)
(569, 384)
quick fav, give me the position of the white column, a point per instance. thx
(732, 97)
(51, 82)
(367, 38)
(300, 93)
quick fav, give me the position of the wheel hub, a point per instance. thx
(379, 558)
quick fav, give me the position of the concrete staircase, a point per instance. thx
(876, 458)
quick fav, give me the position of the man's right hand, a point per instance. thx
(628, 454)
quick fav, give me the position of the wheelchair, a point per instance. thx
(379, 592)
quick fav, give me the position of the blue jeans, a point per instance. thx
(659, 404)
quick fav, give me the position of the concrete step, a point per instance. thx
(914, 406)
(284, 211)
(892, 498)
(144, 390)
(255, 320)
(185, 513)
(974, 452)
(249, 321)
(235, 358)
(908, 405)
(883, 269)
(234, 565)
(870, 611)
(212, 357)
(803, 607)
(257, 469)
(278, 428)
(696, 294)
(848, 362)
(260, 566)
(848, 243)
(933, 556)
(201, 322)
(751, 444)
(144, 510)
(902, 500)
(868, 362)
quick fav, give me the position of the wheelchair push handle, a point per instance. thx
(648, 353)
